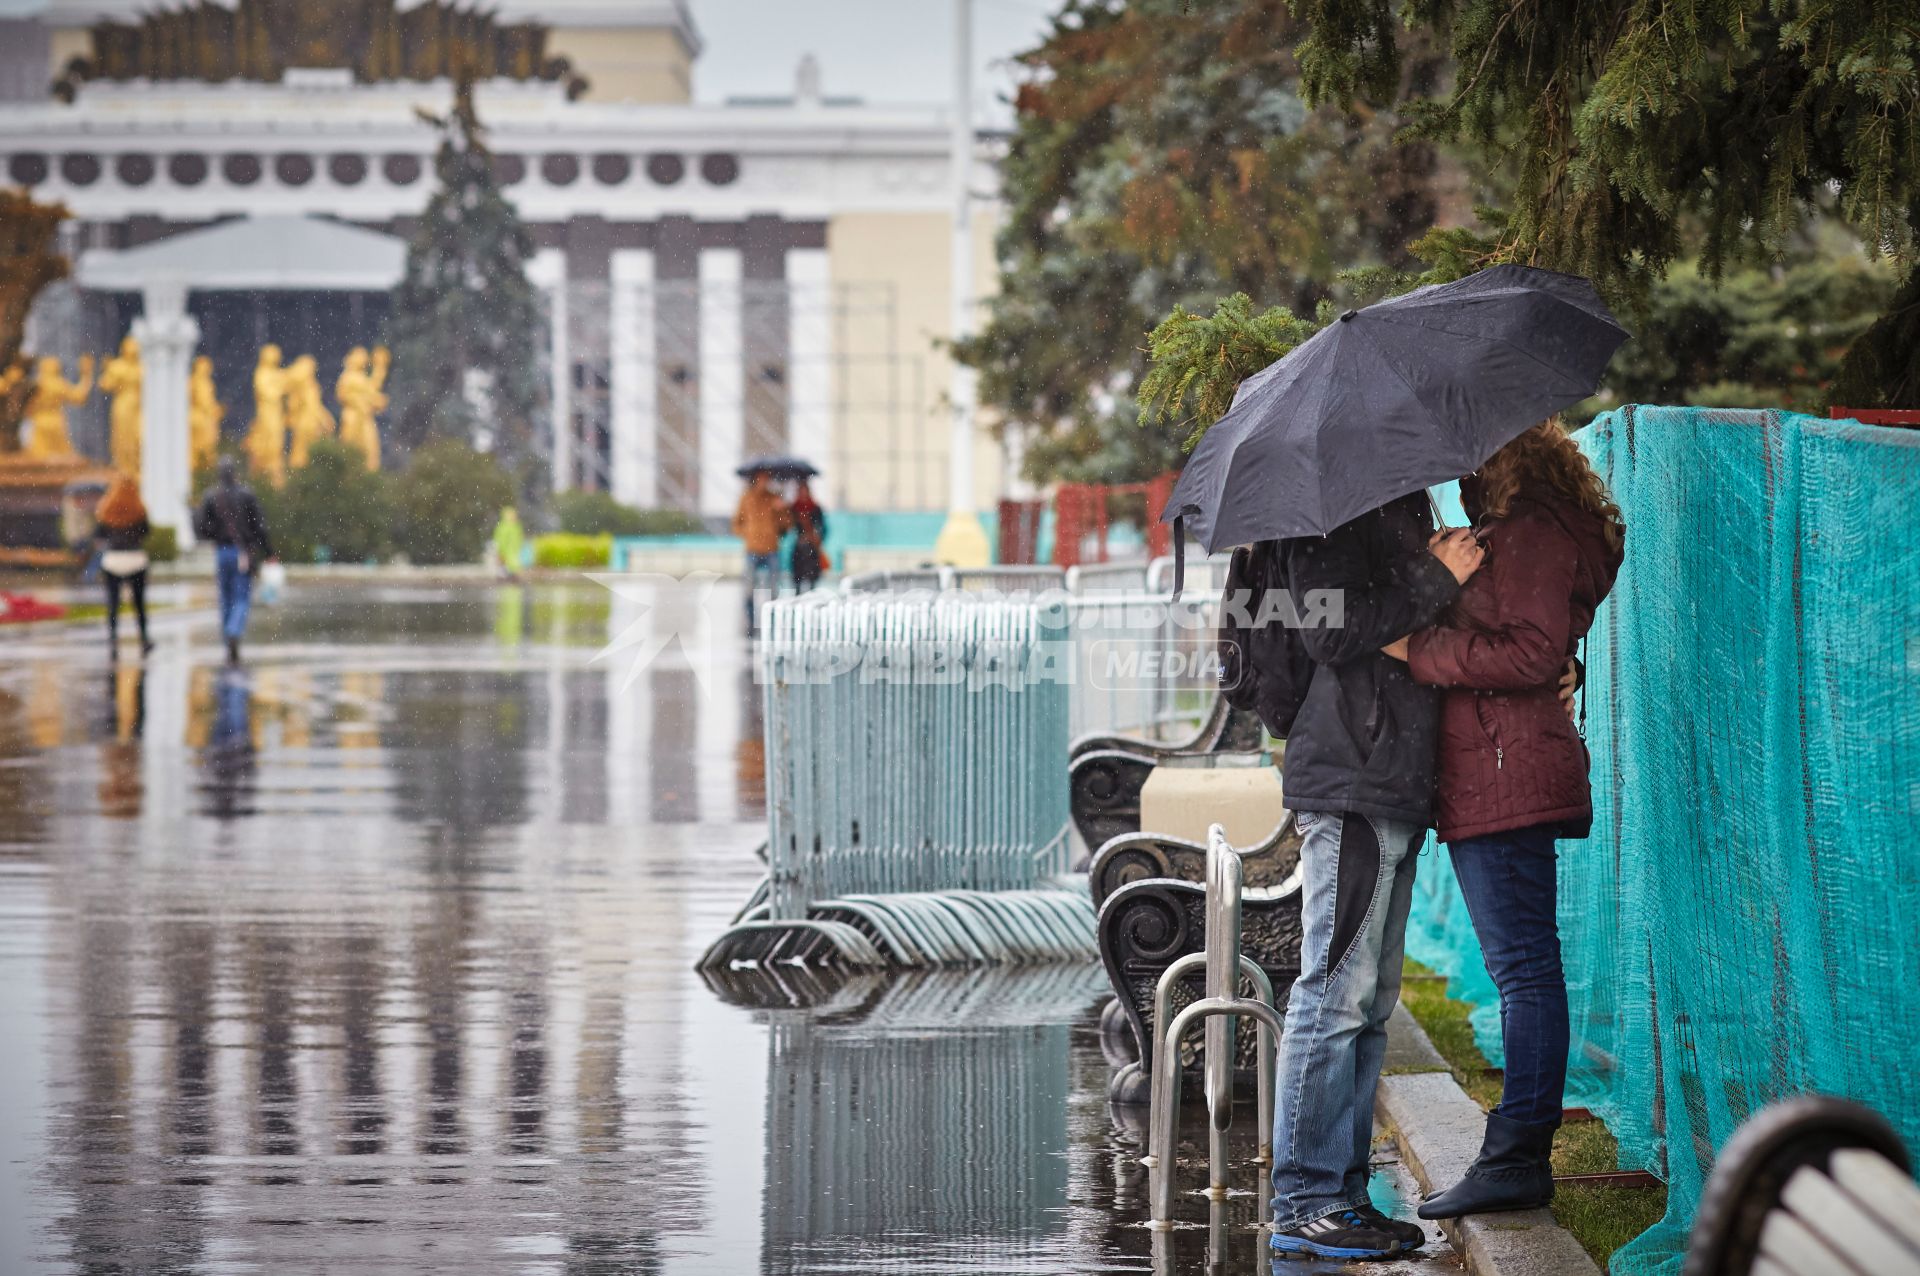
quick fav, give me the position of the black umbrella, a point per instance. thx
(1406, 393)
(781, 467)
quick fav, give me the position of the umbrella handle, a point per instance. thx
(1179, 554)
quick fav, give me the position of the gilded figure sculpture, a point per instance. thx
(204, 414)
(53, 394)
(120, 377)
(307, 415)
(361, 397)
(267, 440)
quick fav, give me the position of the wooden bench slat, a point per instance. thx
(1789, 1242)
(1882, 1190)
(1836, 1216)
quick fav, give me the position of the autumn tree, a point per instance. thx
(28, 263)
(1163, 153)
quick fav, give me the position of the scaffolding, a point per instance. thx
(708, 372)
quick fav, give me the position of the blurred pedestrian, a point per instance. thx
(762, 519)
(509, 542)
(121, 527)
(231, 520)
(809, 539)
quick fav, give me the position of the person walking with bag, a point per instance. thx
(231, 519)
(121, 527)
(1513, 773)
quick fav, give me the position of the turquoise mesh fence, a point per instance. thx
(1744, 923)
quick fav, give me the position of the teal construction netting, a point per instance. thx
(1744, 923)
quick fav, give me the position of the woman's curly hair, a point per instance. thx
(1542, 464)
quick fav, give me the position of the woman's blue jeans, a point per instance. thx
(1509, 882)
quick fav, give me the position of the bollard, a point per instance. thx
(1219, 1008)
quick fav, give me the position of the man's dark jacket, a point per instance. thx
(231, 516)
(1365, 738)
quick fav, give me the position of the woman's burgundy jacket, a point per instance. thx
(1509, 758)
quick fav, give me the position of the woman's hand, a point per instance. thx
(1397, 648)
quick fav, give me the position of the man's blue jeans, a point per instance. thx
(763, 576)
(236, 591)
(1509, 882)
(1358, 873)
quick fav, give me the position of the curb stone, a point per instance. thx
(1438, 1128)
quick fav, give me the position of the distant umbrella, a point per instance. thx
(1406, 393)
(780, 467)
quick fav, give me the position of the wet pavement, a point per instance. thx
(377, 954)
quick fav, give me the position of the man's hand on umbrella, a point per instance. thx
(1458, 551)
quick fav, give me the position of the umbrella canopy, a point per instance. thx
(1408, 392)
(781, 467)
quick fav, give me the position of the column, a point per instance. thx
(548, 272)
(809, 358)
(636, 415)
(167, 335)
(722, 383)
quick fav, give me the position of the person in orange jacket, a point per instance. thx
(760, 521)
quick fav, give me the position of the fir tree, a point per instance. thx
(466, 322)
(1641, 132)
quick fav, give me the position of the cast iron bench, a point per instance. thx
(1105, 773)
(1809, 1187)
(1152, 900)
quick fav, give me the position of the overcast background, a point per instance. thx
(882, 50)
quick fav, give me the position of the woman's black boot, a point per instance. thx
(1514, 1171)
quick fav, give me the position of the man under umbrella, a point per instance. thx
(1328, 453)
(761, 519)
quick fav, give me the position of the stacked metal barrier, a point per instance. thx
(915, 782)
(915, 746)
(918, 728)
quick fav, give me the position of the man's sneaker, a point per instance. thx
(1345, 1234)
(1410, 1235)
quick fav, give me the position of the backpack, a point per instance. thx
(1264, 669)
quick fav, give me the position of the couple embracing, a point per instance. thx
(1440, 700)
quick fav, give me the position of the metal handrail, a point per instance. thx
(1219, 1009)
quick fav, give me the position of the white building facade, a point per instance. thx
(721, 280)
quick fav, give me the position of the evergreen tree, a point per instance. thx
(466, 322)
(1163, 155)
(1644, 131)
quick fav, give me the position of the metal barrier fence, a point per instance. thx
(1144, 664)
(914, 743)
(895, 582)
(1107, 578)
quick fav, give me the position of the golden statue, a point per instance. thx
(307, 415)
(267, 440)
(120, 377)
(52, 395)
(204, 414)
(359, 393)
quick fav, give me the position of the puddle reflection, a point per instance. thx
(377, 954)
